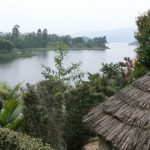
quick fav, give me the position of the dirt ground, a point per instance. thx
(92, 145)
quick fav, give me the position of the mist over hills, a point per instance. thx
(116, 35)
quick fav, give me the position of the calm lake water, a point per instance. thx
(29, 69)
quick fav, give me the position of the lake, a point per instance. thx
(29, 69)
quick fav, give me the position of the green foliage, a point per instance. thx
(78, 42)
(10, 140)
(55, 111)
(15, 31)
(112, 79)
(78, 102)
(116, 76)
(142, 36)
(15, 53)
(42, 39)
(139, 70)
(100, 41)
(5, 45)
(5, 90)
(44, 113)
(12, 107)
(45, 37)
(28, 40)
(90, 43)
(32, 113)
(71, 73)
(97, 42)
(11, 114)
(8, 92)
(51, 93)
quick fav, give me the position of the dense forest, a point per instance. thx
(53, 109)
(41, 39)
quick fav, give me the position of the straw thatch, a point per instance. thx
(124, 119)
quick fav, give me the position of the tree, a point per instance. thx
(11, 114)
(116, 76)
(8, 92)
(45, 38)
(44, 113)
(89, 43)
(39, 32)
(100, 41)
(45, 34)
(32, 40)
(79, 100)
(143, 50)
(67, 40)
(15, 31)
(112, 77)
(78, 42)
(72, 73)
(6, 45)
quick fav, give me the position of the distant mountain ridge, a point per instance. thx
(116, 35)
(134, 43)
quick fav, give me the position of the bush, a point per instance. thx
(79, 101)
(143, 38)
(11, 140)
(6, 45)
(44, 113)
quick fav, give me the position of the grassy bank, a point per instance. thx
(87, 48)
(51, 48)
(15, 54)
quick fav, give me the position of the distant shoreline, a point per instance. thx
(86, 48)
(29, 52)
(70, 48)
(135, 43)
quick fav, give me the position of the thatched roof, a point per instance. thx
(124, 119)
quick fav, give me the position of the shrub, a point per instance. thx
(6, 45)
(44, 113)
(11, 140)
(143, 38)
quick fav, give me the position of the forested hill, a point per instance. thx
(42, 39)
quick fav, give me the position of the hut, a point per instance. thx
(123, 121)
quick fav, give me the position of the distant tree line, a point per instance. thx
(78, 42)
(27, 40)
(41, 39)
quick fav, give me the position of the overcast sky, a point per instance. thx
(69, 16)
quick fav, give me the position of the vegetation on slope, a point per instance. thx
(142, 64)
(11, 140)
